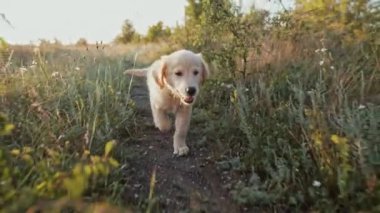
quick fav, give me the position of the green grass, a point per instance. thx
(65, 106)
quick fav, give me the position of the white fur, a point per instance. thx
(167, 91)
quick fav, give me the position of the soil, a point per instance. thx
(182, 184)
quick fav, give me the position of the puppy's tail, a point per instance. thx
(137, 72)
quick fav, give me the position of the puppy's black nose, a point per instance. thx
(191, 91)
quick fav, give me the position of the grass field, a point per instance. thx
(300, 131)
(65, 106)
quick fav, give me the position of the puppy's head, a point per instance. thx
(183, 72)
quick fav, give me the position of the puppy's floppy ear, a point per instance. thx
(205, 69)
(161, 72)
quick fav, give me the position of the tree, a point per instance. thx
(343, 16)
(82, 42)
(128, 33)
(157, 32)
(221, 32)
(191, 31)
(193, 11)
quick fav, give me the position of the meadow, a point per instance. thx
(291, 115)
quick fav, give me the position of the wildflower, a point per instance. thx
(34, 62)
(86, 152)
(32, 67)
(246, 89)
(228, 86)
(61, 137)
(317, 137)
(361, 106)
(323, 50)
(23, 69)
(332, 67)
(338, 140)
(317, 50)
(41, 185)
(55, 74)
(309, 113)
(321, 62)
(316, 184)
(15, 151)
(77, 68)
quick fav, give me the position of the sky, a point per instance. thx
(95, 20)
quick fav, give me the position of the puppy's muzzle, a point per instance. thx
(190, 91)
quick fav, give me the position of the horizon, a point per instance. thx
(92, 20)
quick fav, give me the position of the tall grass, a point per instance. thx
(298, 99)
(305, 131)
(64, 105)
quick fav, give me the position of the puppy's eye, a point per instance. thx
(196, 72)
(178, 73)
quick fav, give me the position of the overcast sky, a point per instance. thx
(95, 20)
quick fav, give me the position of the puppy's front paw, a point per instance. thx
(181, 151)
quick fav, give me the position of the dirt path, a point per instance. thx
(190, 183)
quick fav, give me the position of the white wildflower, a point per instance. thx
(332, 67)
(60, 137)
(23, 69)
(77, 68)
(323, 50)
(316, 183)
(32, 67)
(55, 74)
(317, 50)
(361, 106)
(229, 86)
(34, 62)
(321, 62)
(246, 89)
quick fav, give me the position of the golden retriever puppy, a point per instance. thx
(174, 83)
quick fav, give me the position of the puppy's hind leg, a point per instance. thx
(161, 119)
